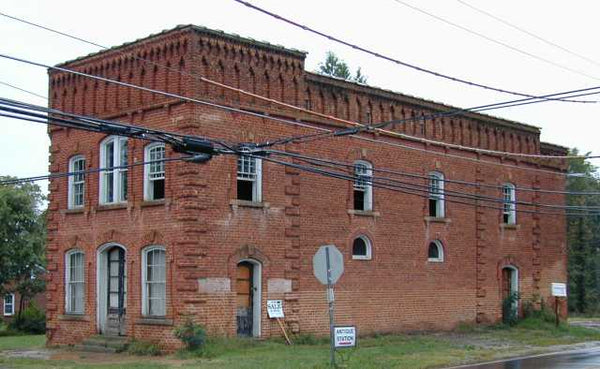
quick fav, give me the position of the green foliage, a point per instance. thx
(22, 238)
(510, 315)
(191, 334)
(308, 339)
(336, 67)
(583, 238)
(143, 348)
(32, 321)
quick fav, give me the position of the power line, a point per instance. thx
(23, 90)
(503, 44)
(379, 126)
(410, 191)
(393, 60)
(521, 29)
(420, 176)
(481, 108)
(446, 192)
(203, 102)
(12, 181)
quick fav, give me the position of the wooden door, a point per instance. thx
(116, 292)
(506, 282)
(245, 294)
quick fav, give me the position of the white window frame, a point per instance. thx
(69, 309)
(119, 192)
(76, 180)
(509, 203)
(148, 174)
(251, 176)
(145, 294)
(436, 192)
(363, 181)
(368, 245)
(12, 304)
(440, 249)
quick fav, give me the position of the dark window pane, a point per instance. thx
(158, 189)
(359, 200)
(244, 190)
(434, 253)
(359, 248)
(433, 208)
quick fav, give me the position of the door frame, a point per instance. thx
(514, 283)
(257, 294)
(102, 283)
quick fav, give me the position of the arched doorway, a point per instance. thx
(111, 290)
(510, 292)
(248, 298)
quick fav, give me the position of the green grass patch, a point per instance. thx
(22, 342)
(468, 343)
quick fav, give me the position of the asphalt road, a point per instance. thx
(583, 359)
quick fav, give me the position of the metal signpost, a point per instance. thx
(328, 266)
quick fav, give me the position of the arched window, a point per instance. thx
(436, 195)
(363, 189)
(76, 182)
(154, 172)
(113, 181)
(509, 206)
(435, 252)
(154, 281)
(74, 282)
(361, 248)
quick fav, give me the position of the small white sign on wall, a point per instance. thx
(559, 289)
(275, 309)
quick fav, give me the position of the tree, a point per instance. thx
(22, 239)
(583, 238)
(336, 67)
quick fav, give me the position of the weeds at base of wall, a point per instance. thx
(143, 348)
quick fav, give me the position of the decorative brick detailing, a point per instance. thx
(206, 230)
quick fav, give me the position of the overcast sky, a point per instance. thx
(389, 27)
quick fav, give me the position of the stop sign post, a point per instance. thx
(328, 266)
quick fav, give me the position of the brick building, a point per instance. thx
(134, 252)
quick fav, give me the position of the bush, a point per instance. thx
(510, 315)
(143, 348)
(191, 334)
(31, 320)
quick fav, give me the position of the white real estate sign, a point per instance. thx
(275, 309)
(559, 289)
(345, 336)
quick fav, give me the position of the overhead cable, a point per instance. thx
(393, 60)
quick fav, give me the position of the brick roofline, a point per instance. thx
(198, 29)
(417, 101)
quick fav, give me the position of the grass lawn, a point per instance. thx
(468, 344)
(22, 342)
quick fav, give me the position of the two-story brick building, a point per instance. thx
(135, 251)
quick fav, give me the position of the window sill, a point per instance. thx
(105, 207)
(435, 260)
(149, 203)
(437, 220)
(510, 226)
(80, 210)
(364, 213)
(74, 317)
(8, 315)
(249, 204)
(363, 258)
(154, 321)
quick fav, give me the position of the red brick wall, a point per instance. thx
(206, 232)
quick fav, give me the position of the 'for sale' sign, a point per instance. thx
(345, 336)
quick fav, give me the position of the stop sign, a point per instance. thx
(336, 263)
